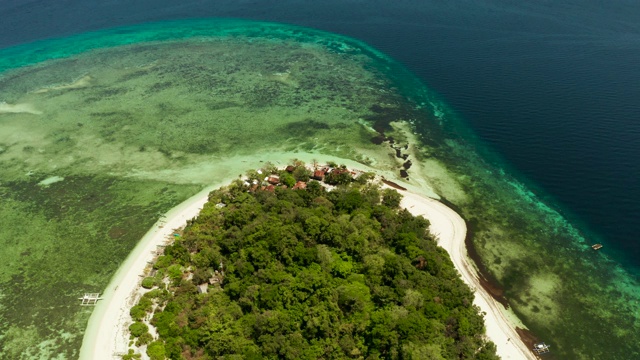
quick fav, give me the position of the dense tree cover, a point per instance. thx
(310, 274)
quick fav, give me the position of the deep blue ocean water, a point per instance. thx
(554, 88)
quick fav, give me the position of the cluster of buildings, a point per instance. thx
(321, 174)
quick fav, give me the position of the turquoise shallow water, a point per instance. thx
(95, 147)
(537, 256)
(35, 52)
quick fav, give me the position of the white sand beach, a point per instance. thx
(451, 230)
(107, 336)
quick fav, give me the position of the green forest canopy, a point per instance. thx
(308, 274)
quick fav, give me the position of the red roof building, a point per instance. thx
(319, 174)
(300, 185)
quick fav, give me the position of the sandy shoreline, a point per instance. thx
(106, 336)
(451, 231)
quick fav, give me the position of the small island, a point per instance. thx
(305, 263)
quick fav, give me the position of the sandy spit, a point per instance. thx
(451, 230)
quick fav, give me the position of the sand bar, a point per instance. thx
(18, 109)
